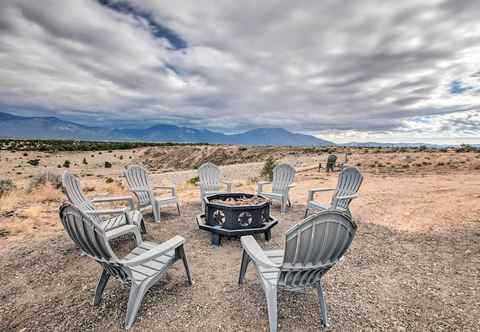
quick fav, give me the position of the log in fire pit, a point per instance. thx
(236, 214)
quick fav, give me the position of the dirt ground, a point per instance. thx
(414, 264)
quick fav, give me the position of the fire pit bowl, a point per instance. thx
(236, 214)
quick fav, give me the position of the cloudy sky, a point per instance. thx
(388, 71)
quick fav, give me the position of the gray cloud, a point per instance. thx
(320, 67)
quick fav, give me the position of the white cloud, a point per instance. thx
(359, 70)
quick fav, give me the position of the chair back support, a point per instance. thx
(349, 182)
(137, 178)
(89, 236)
(314, 246)
(283, 176)
(73, 189)
(209, 175)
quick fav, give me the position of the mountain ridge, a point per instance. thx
(14, 126)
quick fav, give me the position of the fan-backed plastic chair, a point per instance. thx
(115, 221)
(211, 182)
(140, 184)
(349, 182)
(141, 268)
(312, 248)
(282, 182)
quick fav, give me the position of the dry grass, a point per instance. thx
(10, 201)
(46, 193)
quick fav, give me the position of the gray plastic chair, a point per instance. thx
(312, 248)
(116, 221)
(282, 182)
(140, 184)
(141, 268)
(349, 182)
(210, 182)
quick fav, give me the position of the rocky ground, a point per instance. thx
(414, 265)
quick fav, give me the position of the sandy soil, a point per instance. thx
(414, 265)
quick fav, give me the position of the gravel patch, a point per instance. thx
(390, 280)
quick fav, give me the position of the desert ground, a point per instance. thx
(414, 264)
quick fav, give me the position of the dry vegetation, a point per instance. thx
(415, 263)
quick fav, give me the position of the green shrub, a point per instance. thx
(108, 180)
(267, 170)
(195, 180)
(108, 164)
(84, 161)
(66, 164)
(34, 162)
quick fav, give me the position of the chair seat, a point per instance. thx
(317, 205)
(271, 195)
(152, 267)
(166, 200)
(271, 275)
(135, 216)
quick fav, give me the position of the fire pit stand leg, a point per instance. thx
(268, 235)
(216, 239)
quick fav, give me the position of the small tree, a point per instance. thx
(84, 161)
(267, 170)
(34, 162)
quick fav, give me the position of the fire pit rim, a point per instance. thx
(207, 201)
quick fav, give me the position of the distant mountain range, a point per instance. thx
(13, 126)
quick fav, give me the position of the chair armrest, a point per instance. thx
(172, 188)
(260, 185)
(255, 252)
(127, 199)
(292, 185)
(263, 182)
(311, 192)
(125, 229)
(228, 183)
(107, 211)
(317, 190)
(159, 250)
(352, 196)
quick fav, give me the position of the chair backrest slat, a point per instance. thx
(314, 246)
(85, 232)
(349, 182)
(137, 177)
(283, 176)
(73, 189)
(209, 176)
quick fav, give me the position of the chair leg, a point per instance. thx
(283, 207)
(180, 251)
(178, 208)
(306, 213)
(135, 299)
(243, 266)
(271, 295)
(100, 287)
(289, 203)
(323, 305)
(143, 228)
(156, 212)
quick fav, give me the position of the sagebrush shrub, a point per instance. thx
(6, 186)
(267, 170)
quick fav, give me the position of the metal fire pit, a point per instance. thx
(236, 214)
